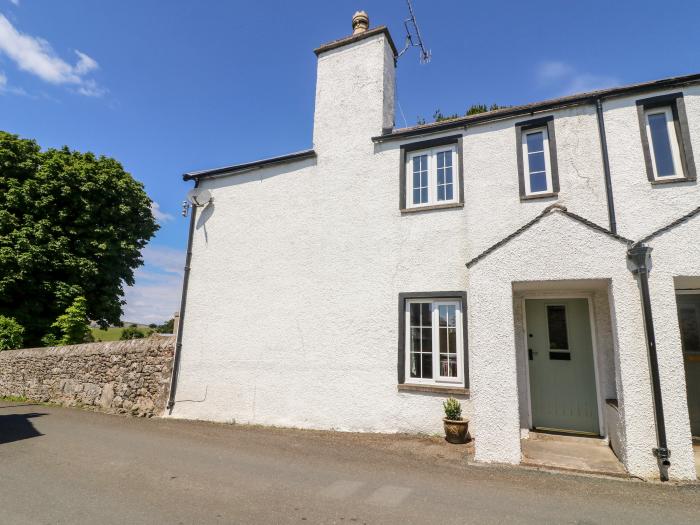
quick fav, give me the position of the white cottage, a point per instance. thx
(541, 263)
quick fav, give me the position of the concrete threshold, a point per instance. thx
(571, 453)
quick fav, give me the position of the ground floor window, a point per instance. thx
(432, 350)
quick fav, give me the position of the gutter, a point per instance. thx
(183, 303)
(537, 107)
(640, 257)
(606, 165)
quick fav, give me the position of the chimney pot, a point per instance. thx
(360, 22)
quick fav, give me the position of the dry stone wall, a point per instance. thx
(119, 377)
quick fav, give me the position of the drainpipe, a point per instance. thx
(640, 257)
(183, 302)
(606, 165)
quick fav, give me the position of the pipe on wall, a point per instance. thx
(606, 166)
(183, 303)
(640, 257)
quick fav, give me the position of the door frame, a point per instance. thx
(594, 344)
(685, 291)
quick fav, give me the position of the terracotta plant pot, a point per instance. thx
(456, 430)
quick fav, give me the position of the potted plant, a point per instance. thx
(455, 425)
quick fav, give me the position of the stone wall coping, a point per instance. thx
(84, 349)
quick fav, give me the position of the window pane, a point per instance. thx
(556, 322)
(536, 161)
(415, 339)
(448, 175)
(440, 176)
(416, 179)
(443, 340)
(427, 340)
(416, 196)
(538, 182)
(440, 160)
(449, 193)
(661, 142)
(415, 365)
(415, 313)
(443, 314)
(441, 193)
(424, 195)
(690, 331)
(427, 365)
(535, 142)
(452, 340)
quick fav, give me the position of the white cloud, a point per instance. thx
(85, 63)
(567, 80)
(14, 2)
(36, 56)
(156, 295)
(159, 214)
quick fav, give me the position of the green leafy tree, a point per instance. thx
(167, 327)
(132, 332)
(11, 333)
(71, 224)
(72, 327)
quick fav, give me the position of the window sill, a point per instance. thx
(434, 389)
(433, 207)
(662, 182)
(538, 196)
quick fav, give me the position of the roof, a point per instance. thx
(547, 211)
(356, 38)
(589, 97)
(238, 168)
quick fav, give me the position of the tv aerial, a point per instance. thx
(413, 37)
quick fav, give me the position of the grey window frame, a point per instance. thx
(403, 297)
(680, 121)
(452, 140)
(520, 127)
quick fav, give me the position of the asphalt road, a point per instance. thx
(60, 465)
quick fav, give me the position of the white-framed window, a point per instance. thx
(434, 350)
(663, 141)
(432, 177)
(538, 172)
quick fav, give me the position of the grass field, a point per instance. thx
(113, 333)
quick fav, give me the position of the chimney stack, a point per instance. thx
(360, 22)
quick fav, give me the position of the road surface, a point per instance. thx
(61, 465)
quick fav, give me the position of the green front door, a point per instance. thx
(689, 321)
(560, 356)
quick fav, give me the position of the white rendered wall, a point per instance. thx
(675, 253)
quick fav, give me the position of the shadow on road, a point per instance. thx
(15, 427)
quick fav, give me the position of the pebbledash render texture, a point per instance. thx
(125, 377)
(304, 267)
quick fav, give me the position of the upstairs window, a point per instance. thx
(665, 139)
(539, 177)
(431, 174)
(537, 158)
(432, 178)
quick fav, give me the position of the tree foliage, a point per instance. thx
(132, 332)
(168, 327)
(72, 327)
(71, 224)
(439, 116)
(11, 333)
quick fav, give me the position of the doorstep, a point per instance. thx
(590, 455)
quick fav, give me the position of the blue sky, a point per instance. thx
(168, 87)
